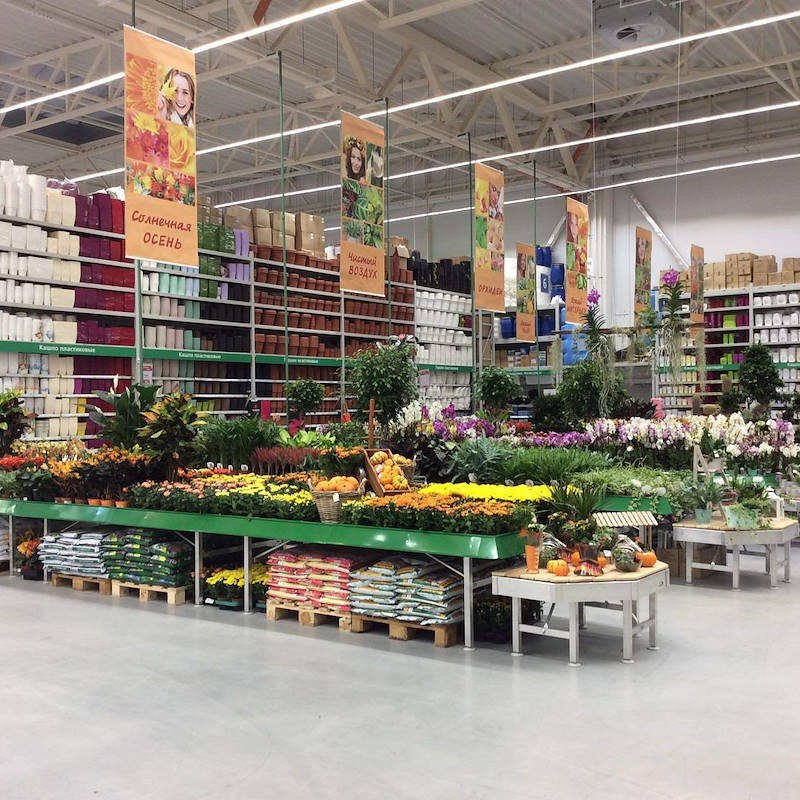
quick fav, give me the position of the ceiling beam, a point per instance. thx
(432, 10)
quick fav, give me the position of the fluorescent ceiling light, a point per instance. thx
(619, 185)
(276, 196)
(270, 26)
(589, 62)
(268, 137)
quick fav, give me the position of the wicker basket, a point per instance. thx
(408, 471)
(329, 508)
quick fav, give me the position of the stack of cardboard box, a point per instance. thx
(739, 270)
(310, 234)
(239, 218)
(791, 270)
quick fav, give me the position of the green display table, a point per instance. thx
(617, 502)
(432, 543)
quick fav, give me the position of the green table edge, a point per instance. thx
(397, 539)
(615, 502)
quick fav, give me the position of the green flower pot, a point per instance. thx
(703, 516)
(740, 518)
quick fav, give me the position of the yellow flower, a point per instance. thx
(168, 90)
(144, 122)
(476, 491)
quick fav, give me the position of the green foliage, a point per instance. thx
(547, 414)
(479, 460)
(700, 493)
(347, 434)
(578, 504)
(304, 439)
(307, 395)
(730, 402)
(544, 465)
(8, 484)
(581, 389)
(497, 388)
(639, 482)
(234, 441)
(170, 429)
(35, 484)
(387, 375)
(759, 379)
(12, 420)
(122, 429)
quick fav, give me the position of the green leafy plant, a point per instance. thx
(541, 465)
(234, 441)
(579, 391)
(304, 439)
(702, 492)
(479, 460)
(307, 395)
(122, 428)
(36, 484)
(347, 434)
(13, 422)
(497, 389)
(547, 414)
(170, 429)
(386, 374)
(578, 504)
(759, 379)
(673, 325)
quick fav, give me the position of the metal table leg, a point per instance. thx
(44, 533)
(627, 631)
(248, 561)
(773, 566)
(574, 644)
(689, 559)
(11, 545)
(653, 621)
(582, 616)
(736, 552)
(516, 634)
(787, 562)
(198, 568)
(468, 642)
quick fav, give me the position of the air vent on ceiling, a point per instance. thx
(623, 23)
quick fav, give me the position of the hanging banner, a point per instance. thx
(363, 258)
(642, 272)
(577, 281)
(696, 297)
(489, 274)
(160, 166)
(526, 292)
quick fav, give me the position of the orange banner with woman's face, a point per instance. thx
(642, 271)
(160, 164)
(363, 254)
(696, 290)
(526, 292)
(577, 279)
(489, 273)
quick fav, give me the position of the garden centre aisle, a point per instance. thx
(157, 701)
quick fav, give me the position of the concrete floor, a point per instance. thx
(116, 699)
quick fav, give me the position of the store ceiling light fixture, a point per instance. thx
(302, 16)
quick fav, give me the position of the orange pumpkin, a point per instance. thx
(602, 561)
(575, 558)
(557, 564)
(648, 559)
(561, 569)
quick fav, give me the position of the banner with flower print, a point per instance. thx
(696, 297)
(160, 164)
(577, 280)
(489, 275)
(363, 256)
(526, 292)
(642, 271)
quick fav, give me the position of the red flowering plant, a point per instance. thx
(11, 463)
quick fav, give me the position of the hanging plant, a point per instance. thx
(598, 344)
(673, 326)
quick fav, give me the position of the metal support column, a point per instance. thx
(468, 642)
(198, 568)
(45, 530)
(11, 545)
(248, 563)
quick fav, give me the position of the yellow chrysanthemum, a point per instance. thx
(145, 123)
(477, 491)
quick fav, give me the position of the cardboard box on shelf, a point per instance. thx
(308, 223)
(708, 271)
(238, 217)
(765, 264)
(790, 265)
(761, 278)
(289, 220)
(262, 235)
(398, 241)
(261, 218)
(779, 278)
(730, 260)
(746, 256)
(308, 241)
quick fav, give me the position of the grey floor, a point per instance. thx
(103, 698)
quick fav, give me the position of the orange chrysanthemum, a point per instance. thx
(141, 84)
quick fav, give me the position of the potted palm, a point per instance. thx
(701, 497)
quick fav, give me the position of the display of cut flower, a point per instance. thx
(159, 182)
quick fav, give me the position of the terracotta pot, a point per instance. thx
(305, 321)
(301, 258)
(107, 503)
(93, 501)
(268, 317)
(531, 558)
(294, 319)
(122, 503)
(302, 351)
(79, 501)
(294, 280)
(261, 275)
(261, 339)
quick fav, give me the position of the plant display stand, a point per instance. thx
(80, 583)
(175, 595)
(780, 534)
(613, 589)
(443, 635)
(310, 617)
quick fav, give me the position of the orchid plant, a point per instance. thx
(673, 326)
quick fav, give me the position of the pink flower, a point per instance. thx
(670, 278)
(593, 299)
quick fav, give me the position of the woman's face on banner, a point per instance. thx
(641, 250)
(183, 95)
(356, 160)
(573, 227)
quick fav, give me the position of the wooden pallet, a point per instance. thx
(80, 583)
(306, 615)
(443, 635)
(175, 595)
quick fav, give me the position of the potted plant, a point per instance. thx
(13, 419)
(749, 503)
(532, 535)
(386, 374)
(700, 497)
(36, 484)
(497, 389)
(307, 395)
(759, 379)
(171, 426)
(30, 565)
(122, 429)
(673, 325)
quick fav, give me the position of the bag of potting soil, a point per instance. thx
(172, 563)
(172, 549)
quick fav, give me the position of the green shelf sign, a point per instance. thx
(195, 355)
(310, 361)
(51, 348)
(444, 368)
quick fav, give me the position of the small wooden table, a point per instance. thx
(613, 589)
(780, 533)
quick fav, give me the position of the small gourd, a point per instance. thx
(556, 564)
(575, 558)
(561, 569)
(648, 558)
(602, 561)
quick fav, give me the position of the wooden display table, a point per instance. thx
(780, 533)
(613, 589)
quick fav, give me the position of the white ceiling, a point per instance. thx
(355, 59)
